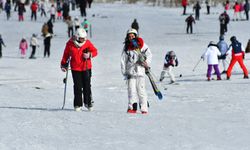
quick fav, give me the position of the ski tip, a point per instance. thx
(159, 95)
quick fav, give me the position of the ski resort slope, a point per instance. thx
(194, 115)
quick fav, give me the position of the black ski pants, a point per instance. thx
(82, 88)
(46, 50)
(33, 51)
(189, 25)
(33, 15)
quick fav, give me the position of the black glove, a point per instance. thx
(64, 67)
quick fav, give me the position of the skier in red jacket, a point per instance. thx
(184, 4)
(238, 55)
(80, 51)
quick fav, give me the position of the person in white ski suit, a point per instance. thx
(134, 61)
(211, 54)
(170, 62)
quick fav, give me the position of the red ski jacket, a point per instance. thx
(77, 62)
(34, 7)
(184, 2)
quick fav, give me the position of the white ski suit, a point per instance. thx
(135, 73)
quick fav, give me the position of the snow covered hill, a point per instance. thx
(194, 115)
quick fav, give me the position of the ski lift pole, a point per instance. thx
(197, 64)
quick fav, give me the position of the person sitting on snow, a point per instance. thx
(170, 62)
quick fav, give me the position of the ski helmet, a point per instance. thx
(132, 31)
(80, 33)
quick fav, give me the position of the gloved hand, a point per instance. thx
(86, 55)
(64, 67)
(145, 64)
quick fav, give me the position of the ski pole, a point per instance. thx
(65, 86)
(197, 64)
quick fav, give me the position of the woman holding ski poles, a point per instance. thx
(134, 60)
(80, 51)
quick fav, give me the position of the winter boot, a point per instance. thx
(89, 106)
(133, 110)
(144, 112)
(78, 109)
(245, 77)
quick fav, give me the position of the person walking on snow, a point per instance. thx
(47, 43)
(211, 54)
(23, 46)
(246, 9)
(238, 54)
(34, 8)
(197, 8)
(170, 62)
(135, 59)
(190, 20)
(81, 51)
(86, 25)
(224, 20)
(223, 47)
(33, 44)
(184, 4)
(7, 9)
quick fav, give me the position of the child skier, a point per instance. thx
(223, 47)
(33, 44)
(212, 53)
(135, 58)
(169, 62)
(23, 46)
(86, 25)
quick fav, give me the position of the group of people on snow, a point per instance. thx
(238, 8)
(58, 8)
(220, 51)
(135, 59)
